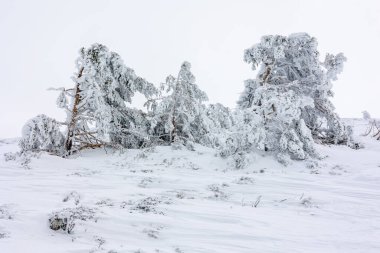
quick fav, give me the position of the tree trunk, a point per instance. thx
(266, 74)
(74, 115)
(173, 132)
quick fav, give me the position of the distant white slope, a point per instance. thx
(181, 201)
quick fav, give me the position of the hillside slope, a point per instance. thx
(181, 201)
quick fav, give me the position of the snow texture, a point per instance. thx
(176, 200)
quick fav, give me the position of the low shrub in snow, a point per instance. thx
(42, 133)
(149, 205)
(67, 218)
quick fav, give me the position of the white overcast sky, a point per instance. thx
(39, 42)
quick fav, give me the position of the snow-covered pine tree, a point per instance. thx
(288, 102)
(42, 133)
(177, 111)
(96, 108)
(292, 64)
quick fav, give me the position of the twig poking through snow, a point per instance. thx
(257, 201)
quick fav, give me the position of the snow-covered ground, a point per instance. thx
(181, 201)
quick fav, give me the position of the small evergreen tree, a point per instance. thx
(178, 108)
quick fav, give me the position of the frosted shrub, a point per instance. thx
(42, 133)
(67, 218)
(240, 160)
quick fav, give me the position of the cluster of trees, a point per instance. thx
(284, 110)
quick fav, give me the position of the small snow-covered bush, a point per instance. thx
(218, 191)
(73, 195)
(10, 156)
(66, 219)
(42, 133)
(240, 160)
(245, 180)
(150, 205)
(5, 213)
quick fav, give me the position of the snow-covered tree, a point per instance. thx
(272, 123)
(97, 113)
(214, 124)
(288, 103)
(292, 63)
(177, 112)
(42, 133)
